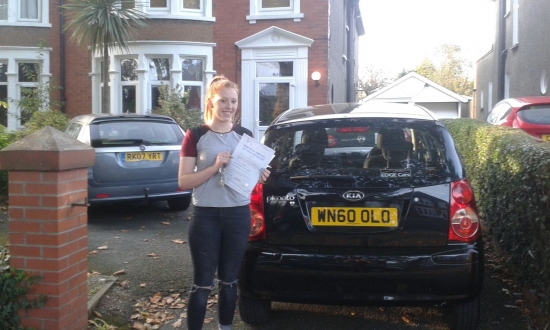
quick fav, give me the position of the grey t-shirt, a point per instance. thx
(205, 145)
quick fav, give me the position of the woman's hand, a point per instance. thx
(264, 174)
(222, 159)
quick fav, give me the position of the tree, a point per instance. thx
(173, 103)
(372, 80)
(452, 71)
(103, 25)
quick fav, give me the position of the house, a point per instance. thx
(517, 64)
(270, 48)
(414, 88)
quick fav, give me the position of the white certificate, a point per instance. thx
(248, 158)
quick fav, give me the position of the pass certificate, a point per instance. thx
(248, 158)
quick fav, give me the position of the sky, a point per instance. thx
(399, 34)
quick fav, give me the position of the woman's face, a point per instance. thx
(224, 104)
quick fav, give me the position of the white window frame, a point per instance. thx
(155, 82)
(259, 13)
(175, 10)
(14, 15)
(191, 83)
(123, 83)
(13, 56)
(144, 51)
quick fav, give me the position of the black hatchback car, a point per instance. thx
(390, 223)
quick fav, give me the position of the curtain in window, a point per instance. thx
(3, 10)
(29, 9)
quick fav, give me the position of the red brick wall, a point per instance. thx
(232, 26)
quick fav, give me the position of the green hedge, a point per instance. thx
(510, 173)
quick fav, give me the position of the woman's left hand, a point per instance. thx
(264, 174)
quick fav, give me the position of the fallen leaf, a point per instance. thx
(95, 273)
(208, 320)
(142, 285)
(119, 272)
(151, 255)
(406, 318)
(179, 241)
(138, 326)
(123, 283)
(97, 314)
(93, 252)
(177, 324)
(156, 298)
(104, 247)
(165, 223)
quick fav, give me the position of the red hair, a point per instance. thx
(218, 83)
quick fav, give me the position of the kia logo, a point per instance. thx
(353, 195)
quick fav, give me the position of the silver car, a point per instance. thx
(137, 158)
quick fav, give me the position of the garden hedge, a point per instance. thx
(510, 174)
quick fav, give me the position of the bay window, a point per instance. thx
(135, 79)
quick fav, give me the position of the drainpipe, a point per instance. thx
(62, 55)
(349, 51)
(502, 52)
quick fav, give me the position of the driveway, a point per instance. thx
(146, 246)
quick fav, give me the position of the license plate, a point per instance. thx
(139, 156)
(354, 216)
(545, 137)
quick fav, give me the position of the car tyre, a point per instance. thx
(254, 311)
(465, 315)
(180, 203)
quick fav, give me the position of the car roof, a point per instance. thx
(356, 110)
(96, 117)
(517, 102)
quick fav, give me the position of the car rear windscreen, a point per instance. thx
(377, 154)
(536, 115)
(128, 133)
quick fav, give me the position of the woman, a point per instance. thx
(218, 232)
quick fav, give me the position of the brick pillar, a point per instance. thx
(48, 231)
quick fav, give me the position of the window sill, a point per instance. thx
(253, 18)
(29, 24)
(185, 17)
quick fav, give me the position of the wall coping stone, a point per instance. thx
(46, 150)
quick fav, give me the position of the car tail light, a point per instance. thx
(98, 196)
(257, 221)
(464, 220)
(331, 141)
(352, 129)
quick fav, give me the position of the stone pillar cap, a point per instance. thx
(46, 150)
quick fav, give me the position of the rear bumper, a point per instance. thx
(374, 277)
(141, 192)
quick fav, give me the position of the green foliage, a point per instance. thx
(451, 71)
(99, 324)
(173, 104)
(372, 80)
(510, 173)
(14, 286)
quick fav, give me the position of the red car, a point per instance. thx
(531, 114)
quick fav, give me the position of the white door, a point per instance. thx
(271, 98)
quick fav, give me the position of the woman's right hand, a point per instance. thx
(222, 159)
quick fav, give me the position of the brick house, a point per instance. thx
(517, 65)
(269, 47)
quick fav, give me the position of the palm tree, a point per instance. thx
(103, 25)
